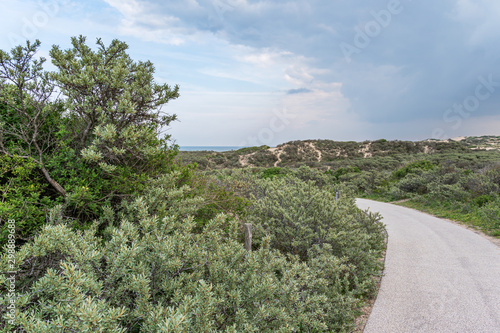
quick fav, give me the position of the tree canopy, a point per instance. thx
(100, 103)
(86, 134)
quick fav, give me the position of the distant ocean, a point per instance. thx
(209, 148)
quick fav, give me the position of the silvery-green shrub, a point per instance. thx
(156, 271)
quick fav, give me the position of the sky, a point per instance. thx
(264, 72)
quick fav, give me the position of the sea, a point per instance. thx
(209, 148)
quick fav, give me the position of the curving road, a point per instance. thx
(438, 276)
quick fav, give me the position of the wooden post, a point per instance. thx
(248, 237)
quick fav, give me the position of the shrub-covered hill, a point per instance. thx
(328, 153)
(456, 178)
(487, 142)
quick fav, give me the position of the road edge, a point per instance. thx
(362, 320)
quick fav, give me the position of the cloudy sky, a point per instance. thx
(255, 72)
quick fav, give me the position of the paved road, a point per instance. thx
(439, 277)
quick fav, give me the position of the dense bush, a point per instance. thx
(489, 212)
(154, 272)
(298, 216)
(88, 132)
(25, 197)
(270, 173)
(343, 171)
(479, 185)
(413, 167)
(319, 178)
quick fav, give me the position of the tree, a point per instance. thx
(26, 108)
(84, 136)
(100, 105)
(115, 104)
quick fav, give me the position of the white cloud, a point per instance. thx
(323, 102)
(480, 19)
(230, 56)
(143, 23)
(158, 35)
(128, 8)
(264, 57)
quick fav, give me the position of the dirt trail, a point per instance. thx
(277, 152)
(313, 147)
(365, 150)
(243, 159)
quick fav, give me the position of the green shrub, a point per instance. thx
(447, 193)
(25, 198)
(298, 216)
(412, 168)
(479, 185)
(490, 216)
(220, 196)
(91, 129)
(154, 271)
(319, 178)
(395, 193)
(414, 184)
(482, 200)
(273, 172)
(343, 171)
(263, 158)
(493, 173)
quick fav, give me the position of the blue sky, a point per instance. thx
(265, 72)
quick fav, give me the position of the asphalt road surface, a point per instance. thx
(439, 277)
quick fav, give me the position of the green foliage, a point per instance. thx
(270, 173)
(220, 195)
(26, 92)
(482, 200)
(262, 158)
(343, 171)
(24, 197)
(298, 216)
(489, 216)
(463, 187)
(154, 272)
(95, 140)
(413, 167)
(114, 105)
(479, 185)
(249, 150)
(319, 178)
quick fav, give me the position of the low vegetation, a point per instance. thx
(325, 154)
(456, 179)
